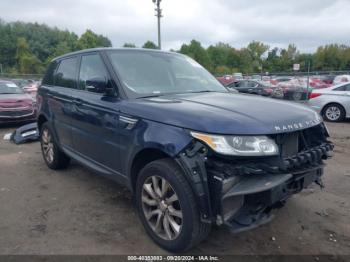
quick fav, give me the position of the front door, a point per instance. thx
(95, 121)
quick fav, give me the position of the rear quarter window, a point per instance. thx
(342, 88)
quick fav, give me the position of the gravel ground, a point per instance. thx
(77, 212)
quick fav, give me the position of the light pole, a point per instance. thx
(308, 78)
(159, 16)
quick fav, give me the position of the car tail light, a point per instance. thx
(314, 95)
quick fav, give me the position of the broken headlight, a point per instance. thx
(239, 145)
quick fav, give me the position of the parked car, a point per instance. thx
(316, 82)
(296, 93)
(226, 79)
(194, 154)
(15, 105)
(328, 79)
(277, 80)
(238, 76)
(332, 103)
(29, 86)
(251, 87)
(294, 89)
(256, 77)
(341, 79)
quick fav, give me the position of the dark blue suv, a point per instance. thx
(194, 153)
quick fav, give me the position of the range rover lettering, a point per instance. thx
(193, 153)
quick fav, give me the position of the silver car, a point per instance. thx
(332, 103)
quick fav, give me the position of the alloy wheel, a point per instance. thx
(333, 113)
(47, 146)
(297, 96)
(161, 208)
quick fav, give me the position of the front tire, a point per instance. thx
(334, 113)
(167, 207)
(53, 156)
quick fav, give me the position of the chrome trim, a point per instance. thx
(130, 122)
(4, 109)
(21, 116)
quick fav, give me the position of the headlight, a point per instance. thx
(239, 145)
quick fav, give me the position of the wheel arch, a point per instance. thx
(332, 103)
(141, 159)
(41, 120)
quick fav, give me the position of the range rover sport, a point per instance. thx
(193, 153)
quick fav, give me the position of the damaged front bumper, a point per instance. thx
(242, 194)
(248, 203)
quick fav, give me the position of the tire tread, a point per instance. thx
(200, 229)
(61, 160)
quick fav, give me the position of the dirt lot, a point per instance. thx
(77, 212)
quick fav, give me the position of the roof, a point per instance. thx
(112, 49)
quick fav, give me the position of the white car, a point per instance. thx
(332, 103)
(341, 79)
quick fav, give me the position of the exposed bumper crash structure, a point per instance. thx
(241, 193)
(26, 133)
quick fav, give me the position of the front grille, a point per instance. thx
(16, 114)
(289, 144)
(296, 142)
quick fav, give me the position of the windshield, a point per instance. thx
(10, 88)
(156, 73)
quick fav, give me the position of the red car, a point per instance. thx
(319, 83)
(226, 80)
(28, 86)
(15, 105)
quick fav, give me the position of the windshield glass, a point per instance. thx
(9, 88)
(156, 73)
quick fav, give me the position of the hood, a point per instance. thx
(224, 113)
(15, 100)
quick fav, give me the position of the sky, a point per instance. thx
(305, 23)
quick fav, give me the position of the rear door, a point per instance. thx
(59, 98)
(96, 115)
(253, 87)
(343, 96)
(340, 95)
(242, 86)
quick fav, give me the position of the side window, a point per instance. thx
(252, 84)
(347, 87)
(243, 84)
(49, 77)
(93, 76)
(342, 88)
(66, 73)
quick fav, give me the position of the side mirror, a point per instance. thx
(97, 85)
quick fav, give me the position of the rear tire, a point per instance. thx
(334, 113)
(297, 96)
(191, 230)
(53, 156)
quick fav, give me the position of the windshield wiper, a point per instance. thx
(150, 96)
